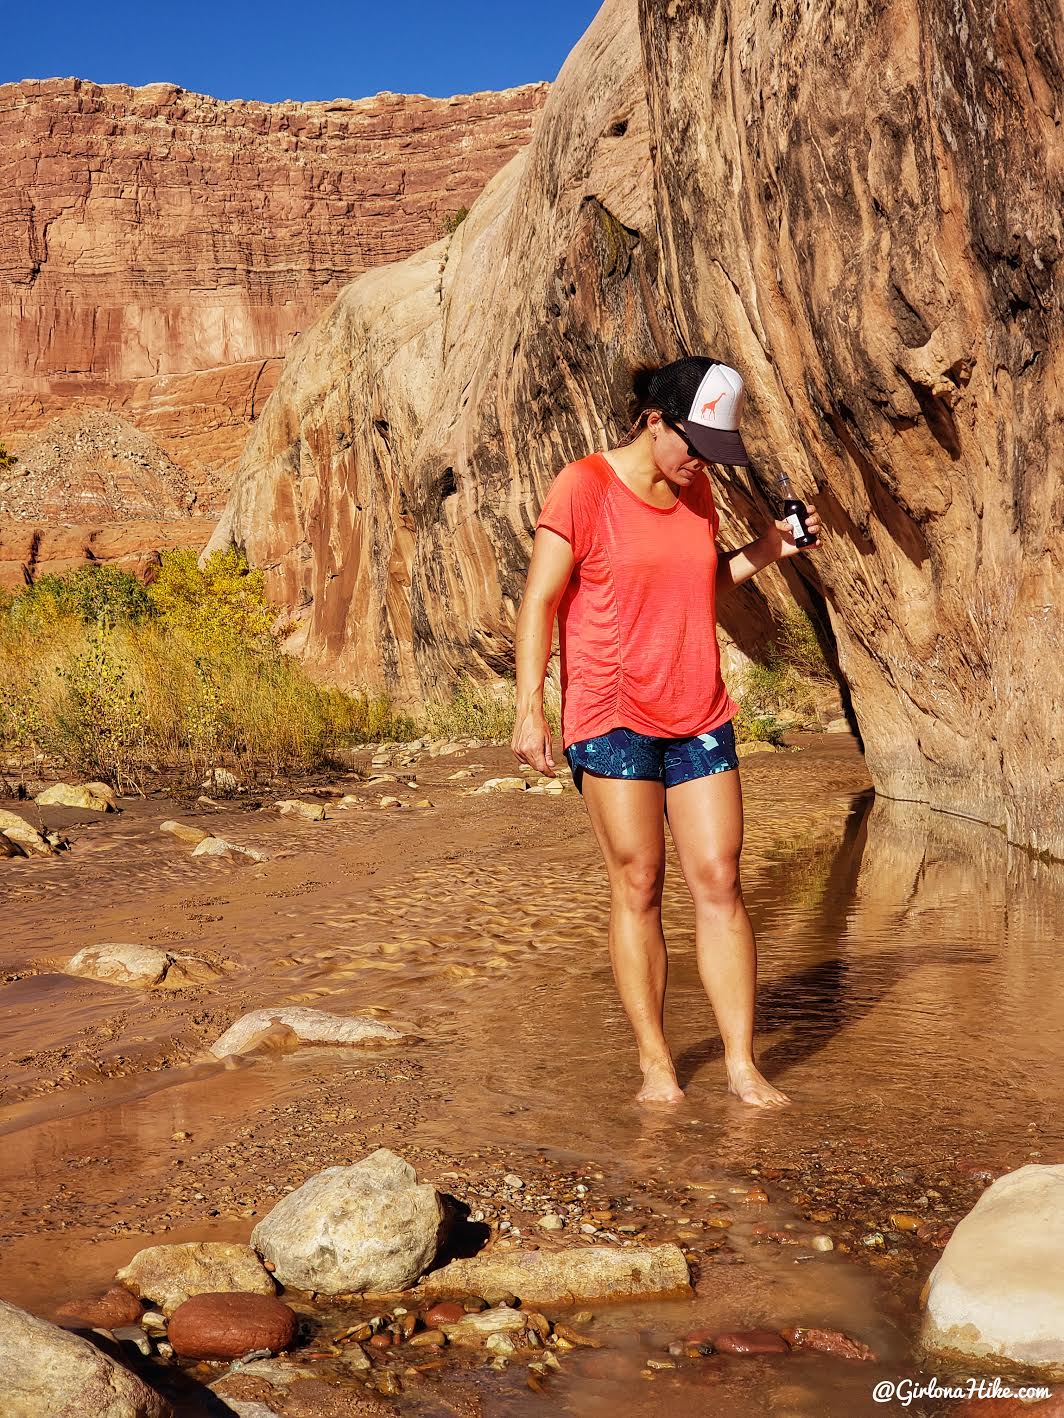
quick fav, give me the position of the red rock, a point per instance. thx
(381, 1341)
(116, 1307)
(215, 1326)
(446, 1312)
(934, 1233)
(218, 231)
(826, 1341)
(751, 1341)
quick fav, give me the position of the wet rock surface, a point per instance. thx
(565, 1277)
(170, 1275)
(228, 1326)
(307, 1026)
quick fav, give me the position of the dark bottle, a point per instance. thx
(794, 513)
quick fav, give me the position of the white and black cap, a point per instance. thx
(705, 399)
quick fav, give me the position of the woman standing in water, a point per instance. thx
(625, 554)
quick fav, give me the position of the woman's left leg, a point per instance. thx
(706, 818)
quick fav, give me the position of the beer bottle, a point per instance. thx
(794, 513)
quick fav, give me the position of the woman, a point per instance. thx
(625, 554)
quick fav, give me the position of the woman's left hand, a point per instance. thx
(781, 538)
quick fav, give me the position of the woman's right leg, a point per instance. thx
(628, 819)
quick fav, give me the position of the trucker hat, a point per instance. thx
(706, 399)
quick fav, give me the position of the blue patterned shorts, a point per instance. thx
(623, 753)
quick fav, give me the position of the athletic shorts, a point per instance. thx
(623, 753)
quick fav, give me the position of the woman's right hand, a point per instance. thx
(531, 742)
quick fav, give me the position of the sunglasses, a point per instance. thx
(691, 449)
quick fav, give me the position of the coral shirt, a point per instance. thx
(637, 622)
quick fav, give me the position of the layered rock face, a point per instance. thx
(877, 257)
(159, 250)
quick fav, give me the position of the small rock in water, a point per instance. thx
(446, 1312)
(827, 1341)
(475, 1328)
(116, 1307)
(292, 807)
(513, 1181)
(184, 832)
(309, 1026)
(97, 797)
(18, 830)
(141, 966)
(751, 1341)
(562, 1277)
(228, 1326)
(219, 847)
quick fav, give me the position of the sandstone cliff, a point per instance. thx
(159, 250)
(861, 209)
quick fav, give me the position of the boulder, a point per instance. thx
(307, 1026)
(170, 1275)
(142, 966)
(227, 1326)
(17, 829)
(112, 1310)
(219, 847)
(46, 1372)
(98, 797)
(184, 832)
(292, 807)
(10, 848)
(565, 1277)
(367, 1227)
(995, 1300)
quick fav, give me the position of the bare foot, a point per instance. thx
(659, 1085)
(750, 1086)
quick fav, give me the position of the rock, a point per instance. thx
(226, 1326)
(637, 157)
(746, 750)
(503, 785)
(996, 1297)
(98, 797)
(17, 829)
(367, 1227)
(116, 1307)
(184, 832)
(141, 966)
(220, 780)
(390, 802)
(308, 1026)
(446, 1312)
(219, 847)
(551, 1222)
(10, 848)
(565, 1277)
(46, 1372)
(292, 807)
(477, 1328)
(295, 1395)
(747, 1342)
(826, 1341)
(170, 1275)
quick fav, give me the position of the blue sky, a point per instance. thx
(317, 49)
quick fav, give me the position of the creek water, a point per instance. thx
(908, 1004)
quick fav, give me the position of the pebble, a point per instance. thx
(429, 1338)
(822, 1243)
(553, 1222)
(446, 1312)
(751, 1341)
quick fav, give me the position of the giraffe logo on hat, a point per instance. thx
(711, 405)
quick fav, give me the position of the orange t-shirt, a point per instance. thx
(637, 622)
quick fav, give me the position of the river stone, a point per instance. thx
(292, 807)
(170, 1275)
(310, 1026)
(141, 965)
(99, 797)
(219, 847)
(367, 1227)
(112, 1310)
(565, 1277)
(476, 1328)
(996, 1296)
(184, 832)
(22, 832)
(227, 1326)
(46, 1372)
(10, 848)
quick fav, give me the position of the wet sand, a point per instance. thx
(908, 1004)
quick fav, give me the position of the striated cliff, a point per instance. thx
(861, 209)
(159, 250)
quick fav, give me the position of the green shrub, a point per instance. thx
(451, 221)
(476, 709)
(91, 594)
(7, 460)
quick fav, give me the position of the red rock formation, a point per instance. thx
(159, 250)
(863, 214)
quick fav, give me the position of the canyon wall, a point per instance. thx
(858, 206)
(159, 250)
